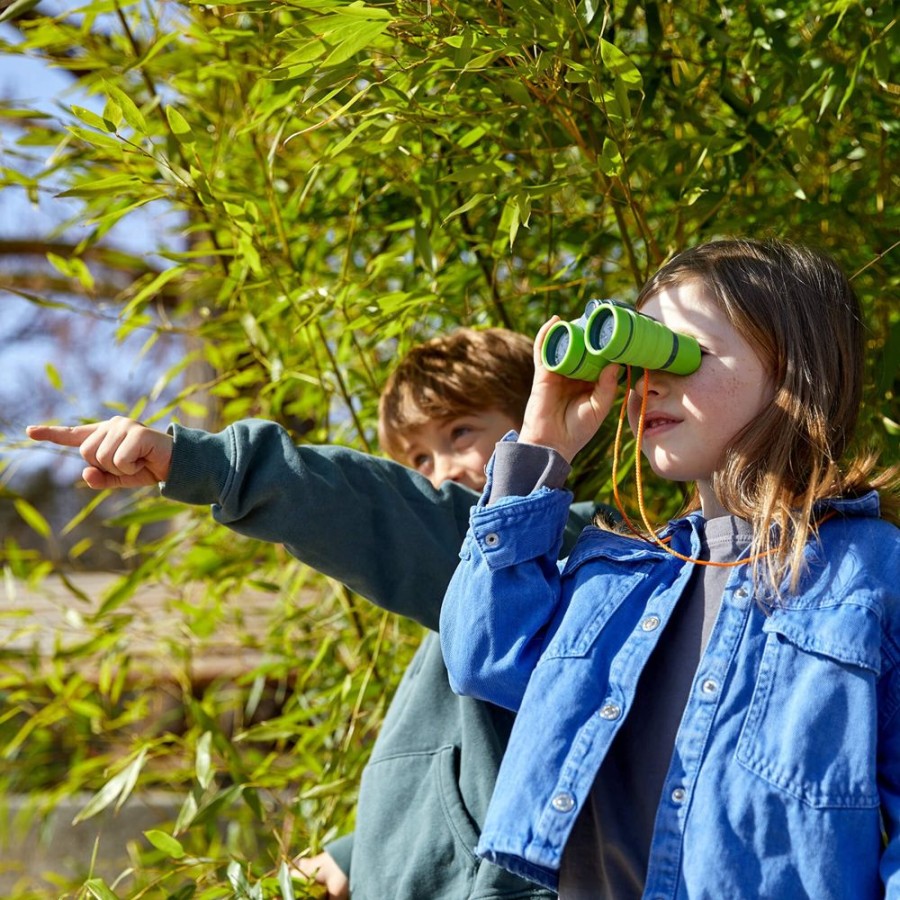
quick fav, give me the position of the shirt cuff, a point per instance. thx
(521, 469)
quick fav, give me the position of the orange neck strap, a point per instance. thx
(650, 533)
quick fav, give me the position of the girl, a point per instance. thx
(711, 711)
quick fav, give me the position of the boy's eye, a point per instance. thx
(420, 461)
(460, 431)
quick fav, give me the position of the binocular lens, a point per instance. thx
(558, 342)
(564, 352)
(601, 336)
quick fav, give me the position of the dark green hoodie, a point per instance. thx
(386, 533)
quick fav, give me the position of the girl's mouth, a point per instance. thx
(656, 423)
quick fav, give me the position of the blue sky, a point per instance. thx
(32, 83)
(29, 83)
(104, 369)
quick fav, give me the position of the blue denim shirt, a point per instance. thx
(786, 765)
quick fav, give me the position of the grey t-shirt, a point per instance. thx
(607, 854)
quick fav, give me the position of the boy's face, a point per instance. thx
(456, 449)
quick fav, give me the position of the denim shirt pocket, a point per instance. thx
(597, 578)
(811, 726)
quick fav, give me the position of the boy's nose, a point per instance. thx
(447, 468)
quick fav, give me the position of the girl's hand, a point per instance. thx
(119, 452)
(564, 413)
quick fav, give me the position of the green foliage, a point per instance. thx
(351, 179)
(263, 763)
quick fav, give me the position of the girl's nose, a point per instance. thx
(656, 383)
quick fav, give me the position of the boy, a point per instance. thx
(391, 535)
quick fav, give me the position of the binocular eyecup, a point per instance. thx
(612, 332)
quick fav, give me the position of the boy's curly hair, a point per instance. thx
(463, 372)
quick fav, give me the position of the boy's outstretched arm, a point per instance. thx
(373, 524)
(119, 452)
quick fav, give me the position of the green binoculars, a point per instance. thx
(613, 332)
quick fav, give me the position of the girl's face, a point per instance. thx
(691, 420)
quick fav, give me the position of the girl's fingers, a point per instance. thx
(98, 480)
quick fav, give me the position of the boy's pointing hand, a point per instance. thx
(119, 452)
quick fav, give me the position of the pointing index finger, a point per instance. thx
(64, 435)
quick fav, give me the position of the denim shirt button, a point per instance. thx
(492, 539)
(651, 623)
(709, 686)
(740, 593)
(610, 711)
(563, 802)
(678, 795)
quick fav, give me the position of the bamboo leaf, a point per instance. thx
(474, 201)
(165, 842)
(91, 118)
(203, 761)
(357, 38)
(35, 521)
(177, 122)
(153, 287)
(119, 787)
(98, 889)
(84, 512)
(610, 159)
(16, 9)
(186, 813)
(286, 882)
(133, 116)
(53, 376)
(620, 64)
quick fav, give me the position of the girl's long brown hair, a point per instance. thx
(798, 311)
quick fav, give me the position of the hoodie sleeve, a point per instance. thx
(377, 526)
